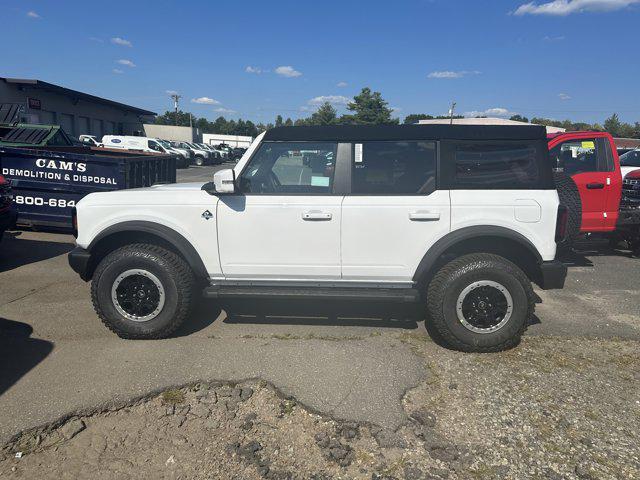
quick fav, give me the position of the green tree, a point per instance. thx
(325, 115)
(415, 117)
(613, 125)
(288, 122)
(519, 118)
(279, 121)
(172, 118)
(369, 108)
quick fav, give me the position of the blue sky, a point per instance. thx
(574, 59)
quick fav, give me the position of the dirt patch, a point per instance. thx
(550, 408)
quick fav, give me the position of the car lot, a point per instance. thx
(354, 362)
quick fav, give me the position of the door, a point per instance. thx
(590, 161)
(83, 126)
(67, 124)
(394, 212)
(285, 221)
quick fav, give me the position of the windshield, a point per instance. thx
(630, 159)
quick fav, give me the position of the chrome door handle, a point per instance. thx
(424, 216)
(314, 215)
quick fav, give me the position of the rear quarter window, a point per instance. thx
(506, 165)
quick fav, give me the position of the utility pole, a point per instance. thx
(176, 98)
(453, 107)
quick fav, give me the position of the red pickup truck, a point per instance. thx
(590, 185)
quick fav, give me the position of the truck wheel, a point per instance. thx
(142, 291)
(199, 161)
(570, 198)
(480, 303)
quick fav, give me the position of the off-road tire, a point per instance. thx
(199, 161)
(570, 198)
(454, 277)
(176, 278)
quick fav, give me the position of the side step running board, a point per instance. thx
(405, 295)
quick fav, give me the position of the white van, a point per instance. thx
(141, 144)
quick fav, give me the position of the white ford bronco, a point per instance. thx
(462, 218)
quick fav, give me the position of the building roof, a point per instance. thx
(627, 142)
(349, 133)
(483, 121)
(50, 87)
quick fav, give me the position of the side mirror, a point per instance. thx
(225, 181)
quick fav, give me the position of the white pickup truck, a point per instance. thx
(462, 218)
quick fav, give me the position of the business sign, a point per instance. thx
(46, 188)
(35, 104)
(66, 174)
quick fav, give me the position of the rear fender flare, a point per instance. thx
(432, 256)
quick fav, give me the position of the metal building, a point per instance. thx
(76, 112)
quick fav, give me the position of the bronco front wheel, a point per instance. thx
(142, 291)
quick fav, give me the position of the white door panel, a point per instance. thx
(385, 237)
(284, 237)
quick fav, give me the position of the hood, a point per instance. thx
(174, 187)
(633, 175)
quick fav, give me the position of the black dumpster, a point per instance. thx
(49, 181)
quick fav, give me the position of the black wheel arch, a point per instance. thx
(497, 240)
(121, 234)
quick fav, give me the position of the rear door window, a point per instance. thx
(394, 168)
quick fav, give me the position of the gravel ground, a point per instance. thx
(550, 408)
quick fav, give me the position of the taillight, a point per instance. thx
(562, 223)
(3, 181)
(74, 221)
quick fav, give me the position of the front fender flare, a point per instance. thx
(180, 243)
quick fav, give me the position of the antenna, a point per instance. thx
(451, 110)
(176, 98)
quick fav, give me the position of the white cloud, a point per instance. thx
(170, 92)
(205, 101)
(126, 63)
(256, 70)
(32, 14)
(447, 74)
(556, 38)
(342, 84)
(121, 41)
(567, 7)
(288, 71)
(490, 112)
(117, 70)
(224, 110)
(395, 109)
(564, 96)
(332, 99)
(96, 39)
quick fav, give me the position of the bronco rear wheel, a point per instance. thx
(480, 303)
(142, 291)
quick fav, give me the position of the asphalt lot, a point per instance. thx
(344, 360)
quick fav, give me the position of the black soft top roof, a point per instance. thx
(349, 133)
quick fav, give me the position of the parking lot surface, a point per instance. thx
(351, 362)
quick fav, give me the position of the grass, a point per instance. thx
(173, 397)
(287, 406)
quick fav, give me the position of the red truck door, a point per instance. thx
(592, 161)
